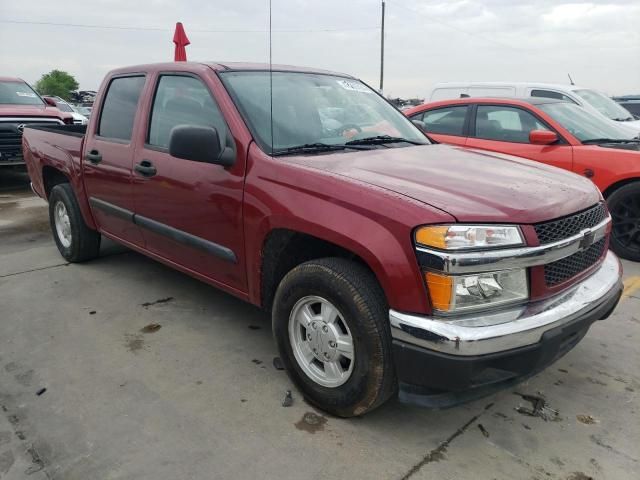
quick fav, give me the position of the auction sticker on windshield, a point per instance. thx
(26, 94)
(355, 86)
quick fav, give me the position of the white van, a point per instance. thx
(592, 100)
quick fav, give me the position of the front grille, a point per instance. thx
(568, 267)
(11, 135)
(562, 228)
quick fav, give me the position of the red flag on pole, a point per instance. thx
(181, 41)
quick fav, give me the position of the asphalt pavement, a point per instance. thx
(121, 368)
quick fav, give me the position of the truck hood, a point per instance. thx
(471, 185)
(29, 111)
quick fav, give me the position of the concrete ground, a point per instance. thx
(199, 398)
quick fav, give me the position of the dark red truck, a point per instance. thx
(20, 106)
(389, 264)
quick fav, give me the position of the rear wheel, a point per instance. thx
(74, 239)
(624, 205)
(330, 323)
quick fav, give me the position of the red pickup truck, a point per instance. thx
(20, 106)
(389, 265)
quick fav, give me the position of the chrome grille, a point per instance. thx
(562, 228)
(568, 267)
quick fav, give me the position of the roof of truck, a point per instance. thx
(226, 66)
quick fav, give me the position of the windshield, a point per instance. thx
(584, 125)
(18, 93)
(604, 105)
(313, 109)
(63, 107)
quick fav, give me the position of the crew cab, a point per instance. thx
(555, 132)
(389, 264)
(20, 105)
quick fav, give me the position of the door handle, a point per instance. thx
(94, 157)
(145, 168)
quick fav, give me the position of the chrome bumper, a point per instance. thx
(510, 328)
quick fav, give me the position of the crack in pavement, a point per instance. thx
(35, 270)
(437, 453)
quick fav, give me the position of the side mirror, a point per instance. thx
(420, 124)
(542, 137)
(200, 144)
(50, 101)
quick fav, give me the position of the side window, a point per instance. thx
(447, 121)
(119, 107)
(550, 94)
(506, 124)
(182, 100)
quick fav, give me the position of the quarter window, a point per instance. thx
(506, 124)
(182, 100)
(119, 108)
(446, 121)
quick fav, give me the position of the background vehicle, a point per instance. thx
(63, 106)
(555, 132)
(630, 103)
(387, 263)
(20, 106)
(86, 111)
(596, 102)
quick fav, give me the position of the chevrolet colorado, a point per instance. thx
(390, 265)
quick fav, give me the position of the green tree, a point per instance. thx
(57, 82)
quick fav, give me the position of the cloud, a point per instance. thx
(598, 42)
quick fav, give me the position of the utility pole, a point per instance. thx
(382, 50)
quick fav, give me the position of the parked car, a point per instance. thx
(555, 132)
(20, 106)
(86, 111)
(631, 103)
(592, 100)
(78, 118)
(387, 263)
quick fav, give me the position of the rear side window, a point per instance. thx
(119, 108)
(182, 100)
(550, 94)
(446, 121)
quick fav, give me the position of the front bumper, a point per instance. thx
(478, 355)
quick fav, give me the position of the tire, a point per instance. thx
(368, 378)
(624, 205)
(74, 239)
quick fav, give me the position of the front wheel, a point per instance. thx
(624, 205)
(74, 239)
(331, 327)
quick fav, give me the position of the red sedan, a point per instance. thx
(552, 131)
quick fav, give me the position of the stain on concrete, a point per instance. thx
(6, 462)
(586, 419)
(595, 381)
(557, 461)
(256, 361)
(151, 328)
(157, 302)
(134, 342)
(254, 327)
(5, 437)
(579, 476)
(11, 367)
(311, 422)
(484, 431)
(25, 379)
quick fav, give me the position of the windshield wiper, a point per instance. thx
(626, 119)
(611, 140)
(312, 148)
(381, 140)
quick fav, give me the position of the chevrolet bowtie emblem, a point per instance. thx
(587, 239)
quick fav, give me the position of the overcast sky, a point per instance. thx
(427, 41)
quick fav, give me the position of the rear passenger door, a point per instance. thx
(107, 165)
(445, 124)
(190, 212)
(505, 129)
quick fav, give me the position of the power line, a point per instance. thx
(160, 29)
(453, 27)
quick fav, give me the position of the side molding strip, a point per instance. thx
(162, 229)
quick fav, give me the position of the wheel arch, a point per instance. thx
(619, 184)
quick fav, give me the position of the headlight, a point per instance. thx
(461, 237)
(454, 293)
